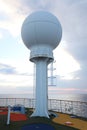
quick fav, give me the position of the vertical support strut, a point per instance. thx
(41, 106)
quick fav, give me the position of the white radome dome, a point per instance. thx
(41, 28)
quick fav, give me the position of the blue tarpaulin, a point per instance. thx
(39, 126)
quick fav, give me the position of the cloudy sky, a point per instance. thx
(16, 71)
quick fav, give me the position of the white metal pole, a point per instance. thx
(8, 116)
(41, 104)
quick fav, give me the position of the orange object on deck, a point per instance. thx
(3, 113)
(18, 117)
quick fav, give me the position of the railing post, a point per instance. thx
(60, 105)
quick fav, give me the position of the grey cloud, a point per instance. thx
(76, 31)
(73, 17)
(6, 69)
(35, 4)
(80, 84)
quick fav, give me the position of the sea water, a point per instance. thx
(71, 97)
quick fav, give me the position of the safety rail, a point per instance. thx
(77, 108)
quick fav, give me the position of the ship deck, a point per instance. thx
(71, 121)
(61, 122)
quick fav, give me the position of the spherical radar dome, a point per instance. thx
(41, 29)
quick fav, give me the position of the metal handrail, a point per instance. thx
(77, 108)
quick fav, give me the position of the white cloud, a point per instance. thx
(14, 14)
(23, 76)
(65, 63)
(1, 36)
(15, 80)
(70, 56)
(21, 66)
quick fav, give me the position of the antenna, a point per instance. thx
(41, 33)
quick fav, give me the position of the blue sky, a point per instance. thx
(16, 71)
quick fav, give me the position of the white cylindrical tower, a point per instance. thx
(41, 33)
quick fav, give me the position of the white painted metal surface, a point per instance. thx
(41, 33)
(8, 116)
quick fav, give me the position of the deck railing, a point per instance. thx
(77, 108)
